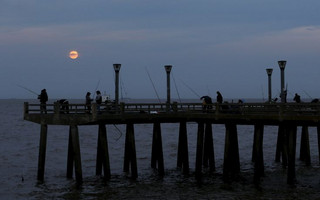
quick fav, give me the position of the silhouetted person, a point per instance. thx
(88, 102)
(297, 98)
(206, 102)
(315, 101)
(219, 97)
(43, 97)
(64, 105)
(98, 99)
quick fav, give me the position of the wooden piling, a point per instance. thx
(157, 152)
(70, 156)
(231, 164)
(130, 152)
(258, 152)
(292, 137)
(103, 153)
(199, 153)
(208, 150)
(318, 134)
(183, 157)
(74, 156)
(42, 151)
(281, 150)
(305, 146)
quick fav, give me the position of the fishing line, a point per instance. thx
(118, 131)
(123, 88)
(262, 92)
(154, 88)
(175, 84)
(194, 92)
(307, 94)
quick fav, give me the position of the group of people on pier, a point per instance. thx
(207, 101)
(98, 100)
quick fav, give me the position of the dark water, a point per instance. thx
(19, 144)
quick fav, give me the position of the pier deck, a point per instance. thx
(247, 113)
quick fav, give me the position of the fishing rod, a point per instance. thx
(174, 80)
(153, 85)
(194, 92)
(31, 91)
(94, 93)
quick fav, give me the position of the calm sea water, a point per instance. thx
(19, 142)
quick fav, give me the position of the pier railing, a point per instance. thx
(157, 108)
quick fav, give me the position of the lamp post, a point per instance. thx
(168, 70)
(117, 70)
(269, 72)
(282, 65)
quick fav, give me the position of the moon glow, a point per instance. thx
(73, 55)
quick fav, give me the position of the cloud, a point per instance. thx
(301, 40)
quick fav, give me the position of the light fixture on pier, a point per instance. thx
(282, 64)
(168, 68)
(269, 71)
(116, 67)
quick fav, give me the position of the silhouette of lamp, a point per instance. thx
(282, 65)
(168, 70)
(117, 70)
(269, 72)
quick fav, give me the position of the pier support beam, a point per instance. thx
(103, 153)
(305, 146)
(292, 138)
(199, 153)
(74, 156)
(42, 151)
(257, 153)
(231, 164)
(183, 155)
(208, 151)
(157, 152)
(318, 133)
(130, 152)
(281, 150)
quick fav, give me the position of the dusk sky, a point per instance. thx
(223, 45)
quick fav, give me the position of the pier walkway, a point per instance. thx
(287, 116)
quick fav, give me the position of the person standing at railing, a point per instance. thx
(88, 102)
(297, 98)
(219, 97)
(98, 100)
(43, 97)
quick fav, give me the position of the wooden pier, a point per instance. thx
(287, 116)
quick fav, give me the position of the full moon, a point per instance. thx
(73, 54)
